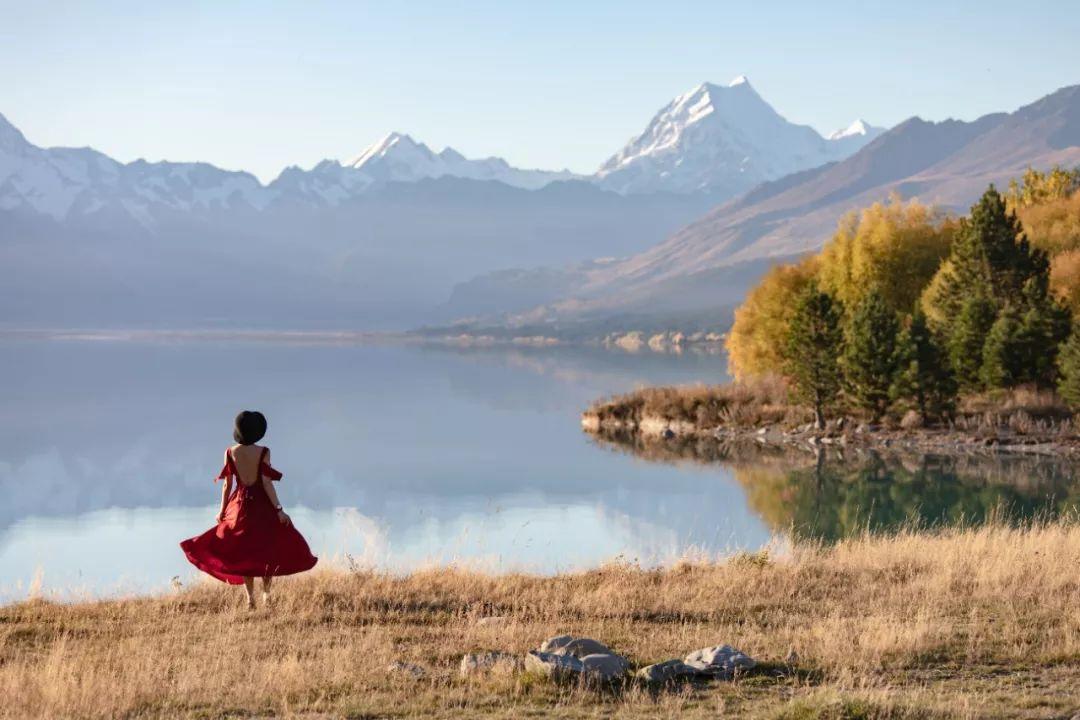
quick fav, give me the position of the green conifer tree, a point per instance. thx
(814, 344)
(993, 260)
(1069, 366)
(924, 375)
(990, 256)
(967, 338)
(870, 360)
(1004, 351)
(1044, 327)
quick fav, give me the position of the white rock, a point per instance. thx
(554, 643)
(556, 667)
(605, 666)
(666, 671)
(721, 661)
(580, 647)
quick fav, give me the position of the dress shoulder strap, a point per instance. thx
(229, 468)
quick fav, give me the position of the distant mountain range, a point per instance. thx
(712, 140)
(679, 222)
(711, 262)
(375, 242)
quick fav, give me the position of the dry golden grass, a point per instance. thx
(751, 403)
(965, 623)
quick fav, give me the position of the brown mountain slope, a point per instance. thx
(711, 262)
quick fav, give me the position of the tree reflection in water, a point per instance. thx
(834, 494)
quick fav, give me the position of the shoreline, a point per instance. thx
(658, 414)
(656, 429)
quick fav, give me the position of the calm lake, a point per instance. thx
(400, 456)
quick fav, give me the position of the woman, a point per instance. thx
(253, 537)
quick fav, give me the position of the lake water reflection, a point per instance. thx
(395, 457)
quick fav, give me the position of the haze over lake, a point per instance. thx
(395, 456)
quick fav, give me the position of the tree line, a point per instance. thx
(908, 308)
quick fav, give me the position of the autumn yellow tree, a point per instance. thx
(895, 247)
(1065, 280)
(1054, 225)
(1039, 188)
(1048, 205)
(755, 343)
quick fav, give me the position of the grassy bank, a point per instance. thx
(1018, 417)
(973, 623)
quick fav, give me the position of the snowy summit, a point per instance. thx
(399, 158)
(859, 127)
(720, 140)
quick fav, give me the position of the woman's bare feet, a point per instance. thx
(266, 581)
(249, 587)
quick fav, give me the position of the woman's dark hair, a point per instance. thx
(249, 428)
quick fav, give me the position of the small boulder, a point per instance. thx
(720, 661)
(403, 668)
(665, 672)
(556, 667)
(573, 645)
(580, 647)
(554, 643)
(604, 666)
(490, 662)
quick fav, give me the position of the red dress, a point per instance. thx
(250, 541)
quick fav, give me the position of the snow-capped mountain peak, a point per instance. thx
(395, 144)
(720, 140)
(399, 158)
(859, 127)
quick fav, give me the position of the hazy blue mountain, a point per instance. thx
(88, 241)
(378, 241)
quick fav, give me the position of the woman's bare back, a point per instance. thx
(246, 459)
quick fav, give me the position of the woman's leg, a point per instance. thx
(249, 585)
(267, 579)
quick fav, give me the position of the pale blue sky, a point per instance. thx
(263, 85)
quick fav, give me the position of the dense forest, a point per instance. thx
(908, 308)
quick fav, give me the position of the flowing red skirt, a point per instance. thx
(249, 542)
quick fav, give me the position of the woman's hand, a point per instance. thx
(283, 518)
(220, 517)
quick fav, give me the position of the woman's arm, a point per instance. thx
(226, 490)
(268, 486)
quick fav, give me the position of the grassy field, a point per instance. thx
(964, 623)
